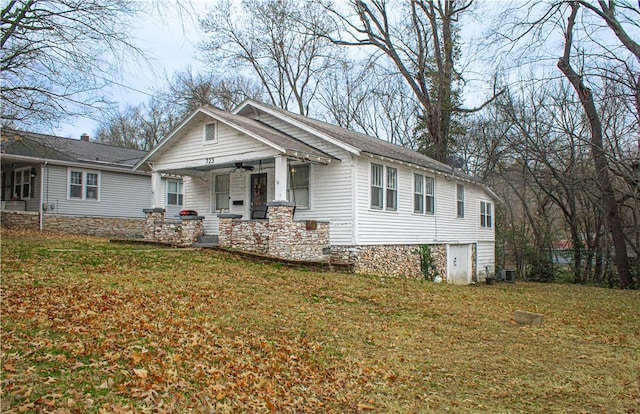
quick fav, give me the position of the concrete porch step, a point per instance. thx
(206, 242)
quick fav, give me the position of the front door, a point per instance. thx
(258, 194)
(458, 263)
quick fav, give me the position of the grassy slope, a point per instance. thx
(90, 326)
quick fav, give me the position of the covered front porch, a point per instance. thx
(247, 205)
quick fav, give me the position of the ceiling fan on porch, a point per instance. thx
(239, 166)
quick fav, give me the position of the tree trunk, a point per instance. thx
(612, 215)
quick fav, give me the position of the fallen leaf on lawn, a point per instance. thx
(141, 373)
(363, 407)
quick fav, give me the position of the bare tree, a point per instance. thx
(267, 40)
(421, 40)
(57, 55)
(601, 163)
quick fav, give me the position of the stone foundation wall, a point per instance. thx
(182, 232)
(28, 220)
(395, 260)
(439, 257)
(89, 225)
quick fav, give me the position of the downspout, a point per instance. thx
(42, 195)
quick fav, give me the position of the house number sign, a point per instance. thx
(208, 161)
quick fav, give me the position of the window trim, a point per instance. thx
(215, 192)
(432, 196)
(459, 201)
(379, 186)
(418, 195)
(388, 188)
(180, 193)
(215, 133)
(84, 185)
(486, 215)
(22, 172)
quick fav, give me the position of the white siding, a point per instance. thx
(486, 252)
(189, 149)
(121, 194)
(406, 227)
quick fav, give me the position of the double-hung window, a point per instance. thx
(460, 200)
(384, 187)
(22, 183)
(221, 192)
(418, 193)
(175, 195)
(377, 182)
(423, 194)
(299, 185)
(84, 185)
(392, 188)
(485, 214)
(430, 195)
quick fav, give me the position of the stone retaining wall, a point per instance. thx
(89, 225)
(250, 236)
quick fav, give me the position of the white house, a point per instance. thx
(344, 196)
(76, 185)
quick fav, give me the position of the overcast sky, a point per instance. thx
(170, 46)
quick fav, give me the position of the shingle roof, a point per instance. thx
(271, 134)
(54, 148)
(364, 143)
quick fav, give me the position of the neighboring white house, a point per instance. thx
(59, 178)
(384, 204)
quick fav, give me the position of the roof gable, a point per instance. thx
(257, 130)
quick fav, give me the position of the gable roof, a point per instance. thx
(251, 127)
(67, 150)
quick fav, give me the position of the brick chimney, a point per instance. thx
(84, 137)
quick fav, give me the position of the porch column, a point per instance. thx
(156, 190)
(281, 178)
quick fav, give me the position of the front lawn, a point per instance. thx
(92, 326)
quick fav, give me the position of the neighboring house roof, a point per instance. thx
(53, 148)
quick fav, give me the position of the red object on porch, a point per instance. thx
(188, 213)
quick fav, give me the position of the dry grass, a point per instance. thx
(89, 326)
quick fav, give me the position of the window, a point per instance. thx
(91, 188)
(84, 185)
(211, 132)
(460, 199)
(430, 196)
(22, 183)
(384, 187)
(392, 188)
(174, 193)
(299, 185)
(423, 195)
(485, 214)
(377, 172)
(221, 192)
(418, 193)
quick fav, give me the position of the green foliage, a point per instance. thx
(427, 264)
